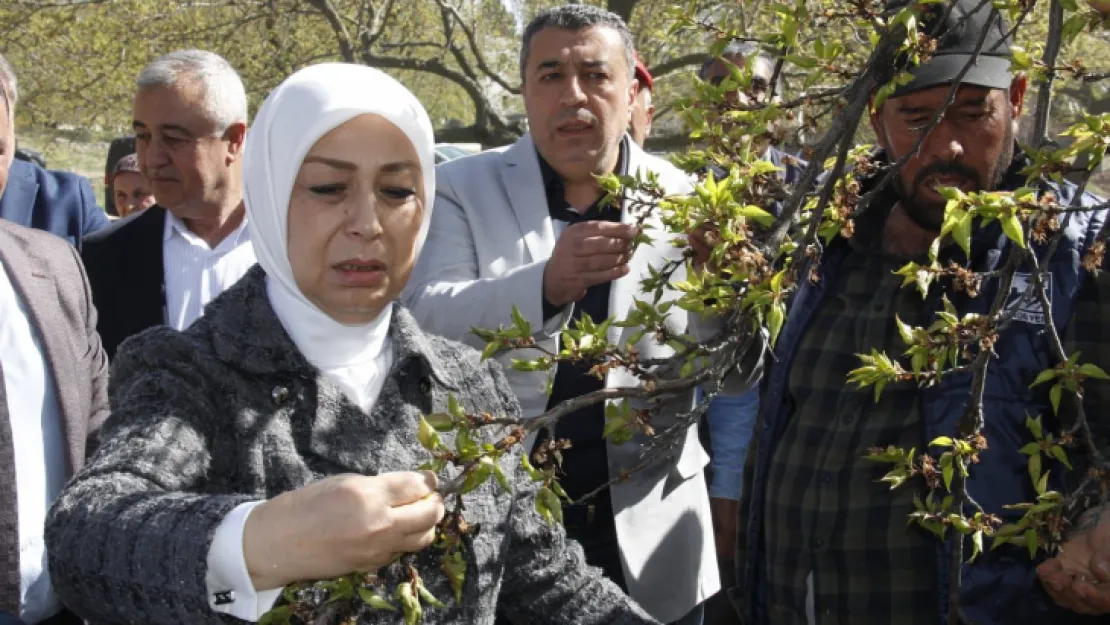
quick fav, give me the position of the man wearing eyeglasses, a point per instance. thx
(163, 265)
(737, 54)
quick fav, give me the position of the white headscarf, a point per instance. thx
(303, 108)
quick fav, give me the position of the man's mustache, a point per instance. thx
(577, 115)
(951, 168)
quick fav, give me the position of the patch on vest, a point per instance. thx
(1023, 301)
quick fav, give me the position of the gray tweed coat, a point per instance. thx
(230, 411)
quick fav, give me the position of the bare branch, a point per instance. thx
(475, 49)
(328, 11)
(1044, 92)
(677, 63)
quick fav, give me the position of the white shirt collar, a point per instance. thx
(174, 224)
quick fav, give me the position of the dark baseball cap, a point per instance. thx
(957, 28)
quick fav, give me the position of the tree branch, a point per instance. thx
(472, 40)
(343, 38)
(1044, 92)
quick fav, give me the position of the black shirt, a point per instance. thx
(585, 464)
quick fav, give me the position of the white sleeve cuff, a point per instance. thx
(230, 590)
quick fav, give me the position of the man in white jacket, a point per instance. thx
(525, 226)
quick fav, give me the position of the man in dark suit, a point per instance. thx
(162, 265)
(53, 398)
(58, 202)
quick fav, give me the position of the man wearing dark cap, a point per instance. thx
(130, 190)
(643, 110)
(822, 540)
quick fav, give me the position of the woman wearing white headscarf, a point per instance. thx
(273, 441)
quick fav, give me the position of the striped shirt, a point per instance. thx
(195, 273)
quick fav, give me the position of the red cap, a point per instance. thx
(643, 75)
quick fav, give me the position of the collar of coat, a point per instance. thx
(247, 334)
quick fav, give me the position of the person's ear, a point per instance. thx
(1017, 94)
(236, 137)
(875, 117)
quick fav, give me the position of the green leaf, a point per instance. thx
(547, 502)
(905, 330)
(1032, 542)
(278, 616)
(441, 421)
(1012, 227)
(1034, 426)
(1045, 376)
(1042, 484)
(775, 316)
(1073, 26)
(757, 214)
(1058, 452)
(803, 62)
(881, 96)
(502, 481)
(491, 350)
(533, 472)
(410, 605)
(427, 436)
(520, 323)
(1035, 468)
(1054, 396)
(560, 492)
(465, 445)
(1093, 371)
(454, 407)
(1031, 449)
(942, 441)
(947, 472)
(976, 545)
(962, 233)
(427, 596)
(374, 600)
(478, 475)
(454, 566)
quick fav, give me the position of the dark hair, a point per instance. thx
(576, 17)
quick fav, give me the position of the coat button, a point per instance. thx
(425, 386)
(280, 394)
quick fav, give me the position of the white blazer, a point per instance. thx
(490, 237)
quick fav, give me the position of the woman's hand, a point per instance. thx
(340, 525)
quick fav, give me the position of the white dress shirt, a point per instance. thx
(195, 274)
(362, 376)
(39, 446)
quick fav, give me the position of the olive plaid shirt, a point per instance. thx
(838, 545)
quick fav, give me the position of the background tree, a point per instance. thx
(460, 58)
(77, 61)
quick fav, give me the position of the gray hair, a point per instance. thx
(9, 87)
(743, 49)
(224, 96)
(576, 17)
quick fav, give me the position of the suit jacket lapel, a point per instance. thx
(17, 204)
(147, 271)
(39, 292)
(624, 289)
(524, 185)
